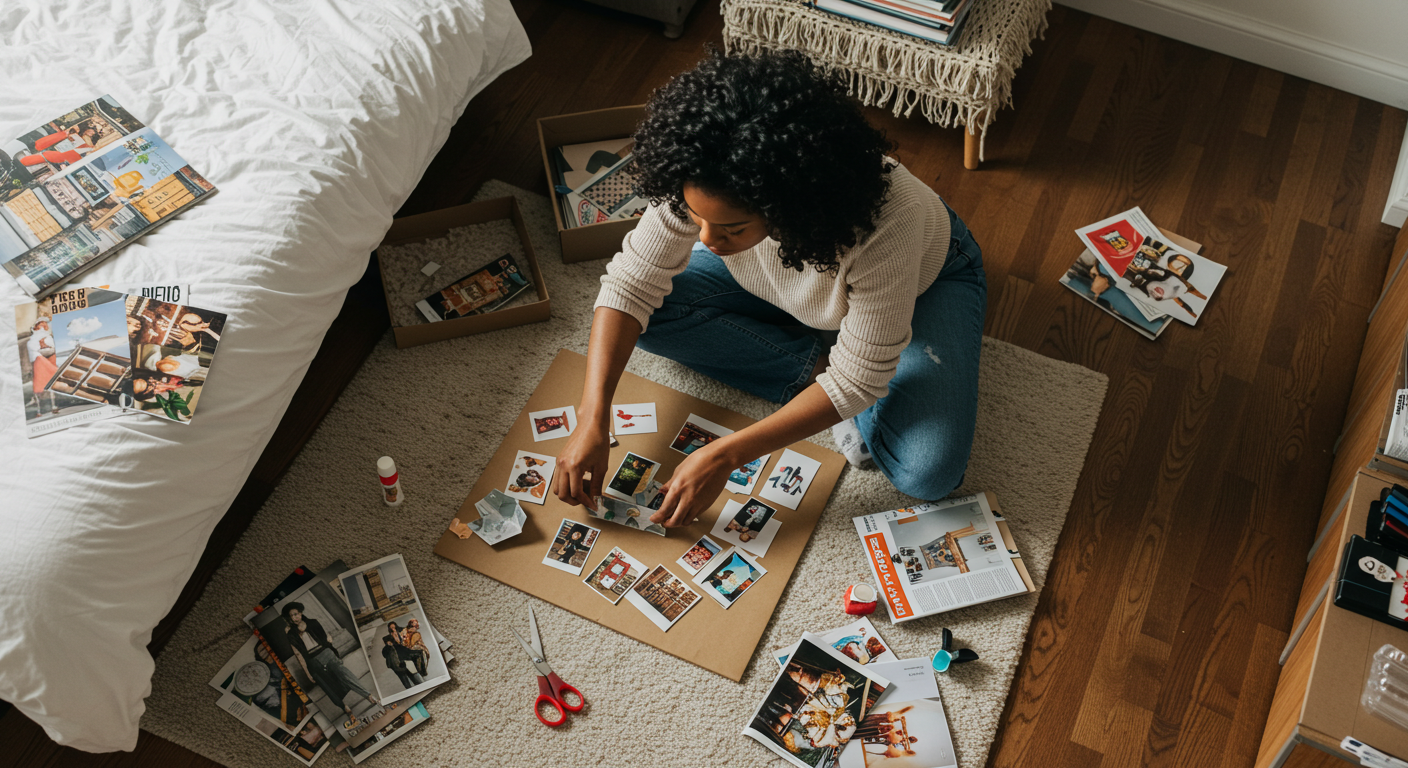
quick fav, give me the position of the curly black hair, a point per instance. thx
(776, 135)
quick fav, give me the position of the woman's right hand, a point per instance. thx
(587, 452)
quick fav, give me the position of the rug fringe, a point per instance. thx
(951, 87)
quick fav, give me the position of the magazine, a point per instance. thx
(908, 726)
(941, 556)
(575, 165)
(393, 629)
(323, 659)
(172, 348)
(80, 334)
(858, 640)
(1092, 281)
(815, 705)
(82, 186)
(609, 195)
(254, 691)
(398, 727)
(484, 290)
(1150, 269)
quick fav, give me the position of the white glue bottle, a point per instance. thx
(390, 481)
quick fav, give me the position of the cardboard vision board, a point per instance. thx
(716, 639)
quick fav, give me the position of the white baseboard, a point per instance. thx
(1259, 42)
(1396, 211)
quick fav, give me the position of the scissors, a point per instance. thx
(551, 689)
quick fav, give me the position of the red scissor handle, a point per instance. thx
(560, 688)
(545, 694)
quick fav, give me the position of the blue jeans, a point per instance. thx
(920, 433)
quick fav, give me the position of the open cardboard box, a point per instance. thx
(593, 241)
(425, 226)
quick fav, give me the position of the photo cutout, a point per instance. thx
(530, 477)
(750, 526)
(729, 576)
(699, 555)
(743, 479)
(634, 419)
(663, 597)
(626, 513)
(631, 477)
(696, 433)
(790, 479)
(173, 347)
(395, 635)
(859, 640)
(552, 423)
(614, 576)
(571, 547)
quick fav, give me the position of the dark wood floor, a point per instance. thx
(1156, 639)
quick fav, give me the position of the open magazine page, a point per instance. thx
(397, 727)
(1150, 269)
(907, 728)
(253, 689)
(937, 557)
(82, 186)
(1092, 281)
(815, 705)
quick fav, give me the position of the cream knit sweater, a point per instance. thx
(869, 300)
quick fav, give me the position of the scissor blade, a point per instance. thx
(537, 639)
(526, 648)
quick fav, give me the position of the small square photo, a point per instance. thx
(729, 576)
(631, 477)
(552, 423)
(530, 477)
(696, 433)
(700, 554)
(571, 546)
(614, 575)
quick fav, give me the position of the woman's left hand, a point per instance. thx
(697, 482)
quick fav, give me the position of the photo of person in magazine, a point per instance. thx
(1090, 279)
(173, 347)
(815, 707)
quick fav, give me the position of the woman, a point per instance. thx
(786, 255)
(391, 652)
(320, 661)
(572, 545)
(416, 642)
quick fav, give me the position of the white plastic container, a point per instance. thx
(390, 481)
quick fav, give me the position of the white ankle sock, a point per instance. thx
(850, 444)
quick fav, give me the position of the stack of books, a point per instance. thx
(939, 21)
(593, 182)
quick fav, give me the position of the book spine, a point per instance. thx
(297, 689)
(868, 16)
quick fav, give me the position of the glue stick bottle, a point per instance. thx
(390, 481)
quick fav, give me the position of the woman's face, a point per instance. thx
(295, 616)
(724, 228)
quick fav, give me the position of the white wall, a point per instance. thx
(1359, 46)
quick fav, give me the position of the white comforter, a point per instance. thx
(315, 118)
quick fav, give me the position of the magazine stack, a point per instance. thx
(339, 660)
(594, 183)
(1141, 275)
(938, 21)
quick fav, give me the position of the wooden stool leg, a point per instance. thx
(970, 149)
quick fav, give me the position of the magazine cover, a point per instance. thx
(609, 195)
(253, 689)
(1149, 268)
(172, 349)
(1092, 281)
(936, 557)
(73, 359)
(574, 165)
(394, 631)
(313, 638)
(80, 187)
(815, 706)
(484, 290)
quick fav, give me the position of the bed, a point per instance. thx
(315, 119)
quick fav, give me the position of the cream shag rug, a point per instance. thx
(441, 410)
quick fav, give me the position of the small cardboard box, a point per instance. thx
(425, 226)
(593, 241)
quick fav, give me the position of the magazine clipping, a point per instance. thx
(937, 557)
(815, 705)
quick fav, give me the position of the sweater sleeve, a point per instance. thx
(876, 327)
(639, 277)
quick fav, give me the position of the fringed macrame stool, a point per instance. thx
(962, 85)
